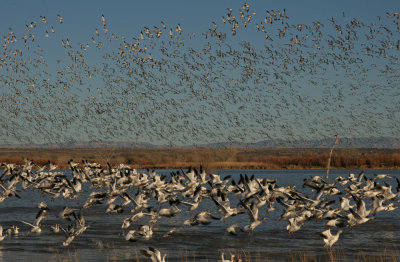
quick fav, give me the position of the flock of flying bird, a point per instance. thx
(147, 197)
(170, 86)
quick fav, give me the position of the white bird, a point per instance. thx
(69, 239)
(178, 29)
(232, 229)
(345, 204)
(56, 229)
(60, 19)
(252, 212)
(2, 237)
(67, 212)
(126, 223)
(103, 20)
(35, 228)
(146, 232)
(169, 233)
(15, 230)
(381, 176)
(130, 236)
(330, 239)
(43, 19)
(355, 219)
(227, 260)
(334, 222)
(154, 254)
(225, 207)
(292, 226)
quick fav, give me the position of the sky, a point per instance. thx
(130, 16)
(359, 101)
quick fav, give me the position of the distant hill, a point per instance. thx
(91, 144)
(372, 142)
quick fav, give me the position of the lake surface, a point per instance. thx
(104, 241)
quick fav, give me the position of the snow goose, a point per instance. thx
(330, 239)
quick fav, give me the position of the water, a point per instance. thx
(103, 240)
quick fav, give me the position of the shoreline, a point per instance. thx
(211, 159)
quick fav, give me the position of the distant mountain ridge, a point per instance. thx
(90, 144)
(372, 142)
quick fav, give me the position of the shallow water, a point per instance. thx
(270, 241)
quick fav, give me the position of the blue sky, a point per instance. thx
(358, 113)
(129, 15)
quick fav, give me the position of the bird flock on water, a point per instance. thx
(145, 198)
(166, 84)
(250, 75)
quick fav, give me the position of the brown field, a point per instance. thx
(222, 158)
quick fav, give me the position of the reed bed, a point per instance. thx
(221, 158)
(331, 255)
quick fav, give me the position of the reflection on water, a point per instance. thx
(103, 240)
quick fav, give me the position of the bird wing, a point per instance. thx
(356, 216)
(249, 211)
(27, 223)
(326, 233)
(146, 252)
(219, 204)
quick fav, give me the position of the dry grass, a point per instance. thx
(222, 158)
(331, 255)
(335, 255)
